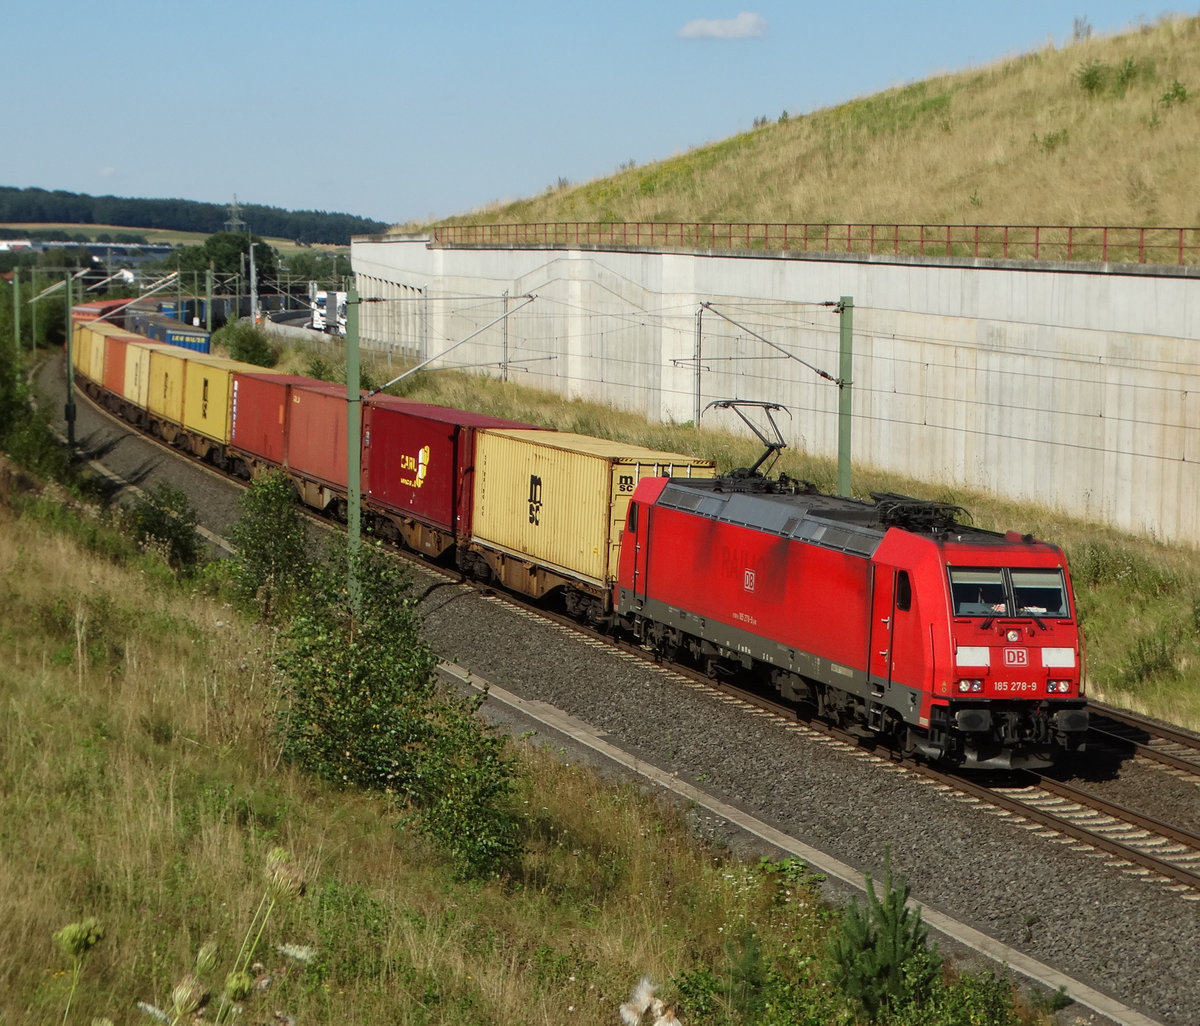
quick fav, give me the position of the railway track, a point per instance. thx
(1126, 839)
(1126, 732)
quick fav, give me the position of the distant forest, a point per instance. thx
(307, 226)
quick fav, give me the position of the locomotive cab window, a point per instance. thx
(979, 592)
(1039, 593)
(903, 591)
(1004, 592)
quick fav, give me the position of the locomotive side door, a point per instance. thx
(883, 622)
(639, 527)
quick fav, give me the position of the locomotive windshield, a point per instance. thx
(1000, 591)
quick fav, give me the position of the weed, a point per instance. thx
(1051, 141)
(1177, 93)
(165, 515)
(76, 940)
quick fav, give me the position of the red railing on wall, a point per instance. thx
(1106, 244)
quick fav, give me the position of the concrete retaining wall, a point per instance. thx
(1075, 388)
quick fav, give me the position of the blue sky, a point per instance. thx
(394, 109)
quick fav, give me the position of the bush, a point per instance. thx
(1092, 76)
(362, 709)
(248, 343)
(879, 955)
(272, 561)
(165, 516)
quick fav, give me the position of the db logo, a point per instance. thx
(748, 580)
(1016, 657)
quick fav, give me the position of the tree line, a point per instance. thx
(306, 226)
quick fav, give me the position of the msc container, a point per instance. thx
(418, 463)
(559, 500)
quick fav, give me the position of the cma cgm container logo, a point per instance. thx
(1016, 657)
(535, 499)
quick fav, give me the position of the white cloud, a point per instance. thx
(743, 26)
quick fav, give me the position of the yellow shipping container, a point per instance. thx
(560, 499)
(137, 374)
(81, 348)
(207, 390)
(87, 352)
(168, 369)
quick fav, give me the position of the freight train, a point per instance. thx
(889, 617)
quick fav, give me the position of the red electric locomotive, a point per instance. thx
(890, 617)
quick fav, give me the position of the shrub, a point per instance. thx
(879, 955)
(272, 561)
(362, 709)
(165, 516)
(1176, 94)
(248, 343)
(1092, 76)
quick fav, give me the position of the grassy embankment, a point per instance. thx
(1100, 132)
(141, 784)
(1139, 601)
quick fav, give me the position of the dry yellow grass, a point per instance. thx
(1020, 141)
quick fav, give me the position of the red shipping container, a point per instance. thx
(258, 408)
(419, 460)
(316, 432)
(114, 363)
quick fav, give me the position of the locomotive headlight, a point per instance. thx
(1061, 686)
(967, 686)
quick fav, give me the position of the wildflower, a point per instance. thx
(206, 958)
(77, 939)
(284, 877)
(188, 995)
(299, 952)
(238, 985)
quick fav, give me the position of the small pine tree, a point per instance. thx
(879, 953)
